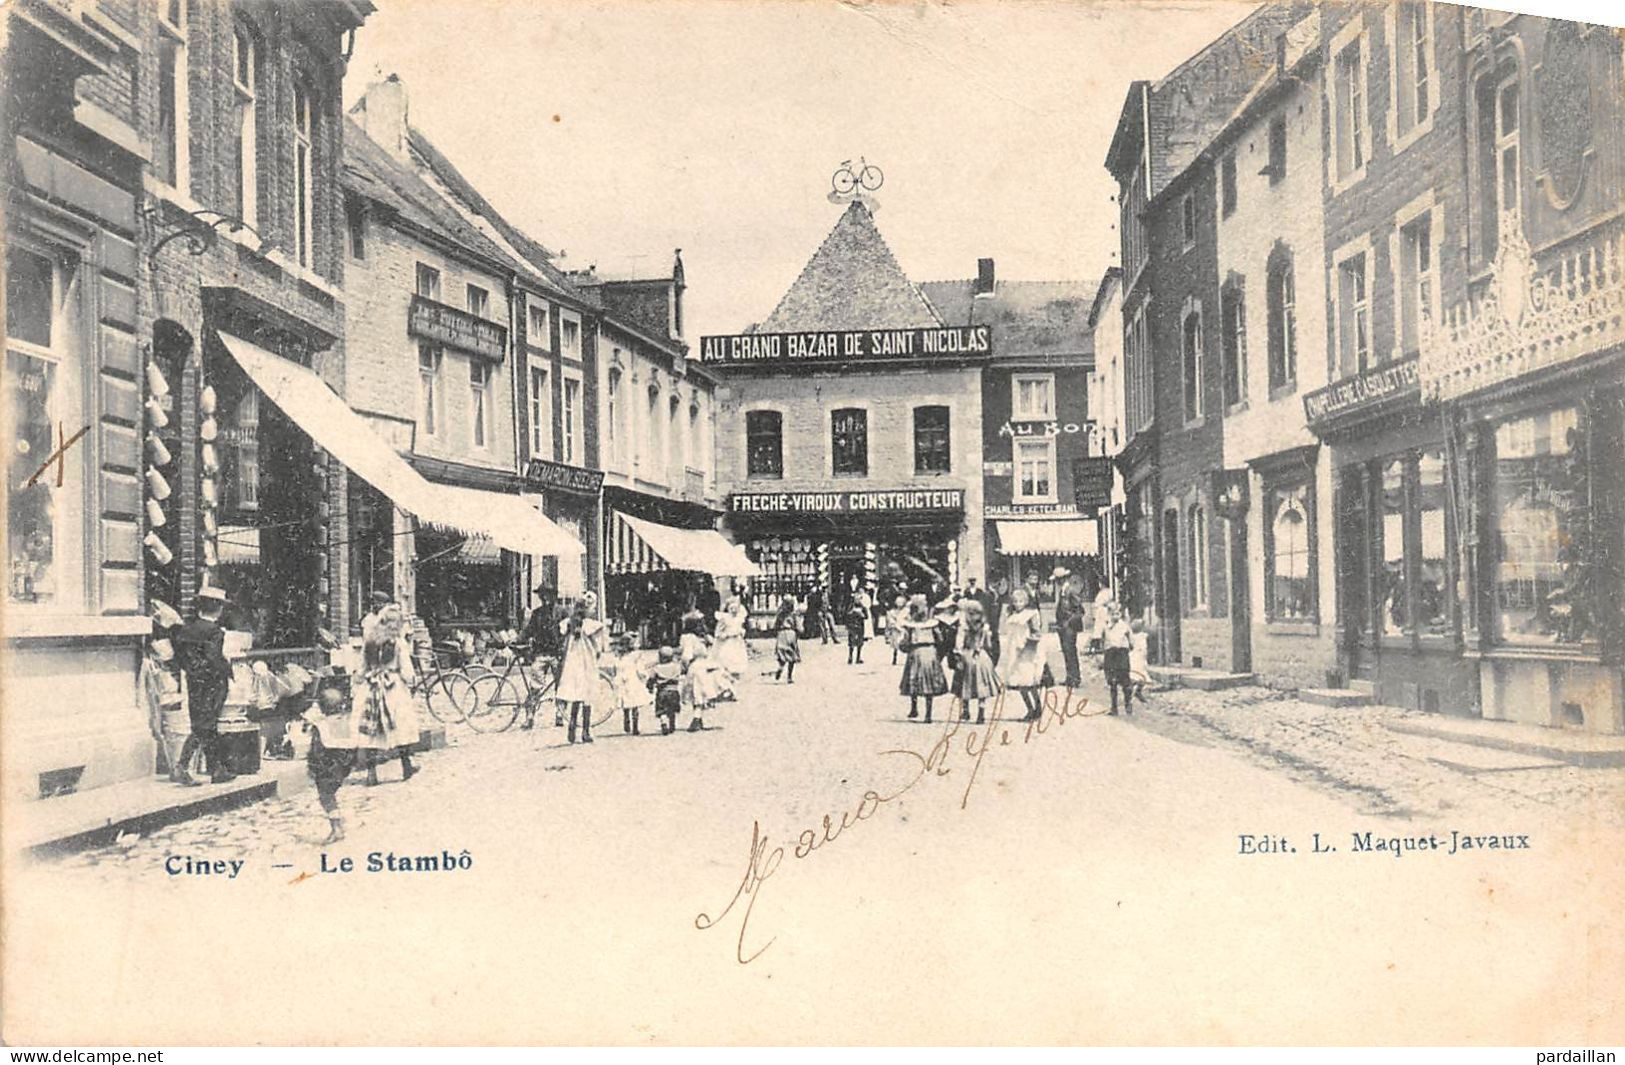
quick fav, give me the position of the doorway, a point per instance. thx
(1170, 598)
(1241, 616)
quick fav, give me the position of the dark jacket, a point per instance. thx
(1069, 612)
(200, 648)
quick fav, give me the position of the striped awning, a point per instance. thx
(1072, 536)
(637, 545)
(239, 545)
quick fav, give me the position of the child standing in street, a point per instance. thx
(788, 645)
(579, 676)
(856, 618)
(332, 752)
(977, 679)
(1118, 642)
(632, 682)
(894, 626)
(666, 682)
(922, 670)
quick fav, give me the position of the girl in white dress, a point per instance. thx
(1020, 666)
(730, 650)
(579, 677)
(384, 711)
(632, 683)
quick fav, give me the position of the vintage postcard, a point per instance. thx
(613, 522)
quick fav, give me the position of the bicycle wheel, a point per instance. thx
(870, 177)
(496, 704)
(448, 695)
(844, 181)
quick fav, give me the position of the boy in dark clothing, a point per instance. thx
(200, 649)
(666, 681)
(856, 617)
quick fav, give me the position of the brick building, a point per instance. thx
(1035, 422)
(840, 467)
(75, 151)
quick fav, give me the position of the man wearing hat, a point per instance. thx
(1068, 623)
(200, 649)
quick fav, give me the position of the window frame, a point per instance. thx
(572, 413)
(1233, 341)
(425, 272)
(173, 42)
(540, 396)
(541, 339)
(758, 416)
(1191, 360)
(246, 94)
(1187, 221)
(1358, 128)
(1414, 12)
(1405, 276)
(569, 320)
(1196, 562)
(858, 457)
(1281, 318)
(922, 468)
(1018, 493)
(431, 388)
(477, 294)
(1277, 148)
(306, 112)
(481, 414)
(1274, 487)
(1018, 412)
(1343, 256)
(1228, 195)
(614, 382)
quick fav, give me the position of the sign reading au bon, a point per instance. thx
(849, 345)
(846, 502)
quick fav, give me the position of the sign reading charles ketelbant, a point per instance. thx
(846, 502)
(849, 345)
(1362, 390)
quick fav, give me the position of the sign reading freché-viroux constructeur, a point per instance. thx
(847, 345)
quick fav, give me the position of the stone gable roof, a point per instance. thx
(853, 281)
(1029, 318)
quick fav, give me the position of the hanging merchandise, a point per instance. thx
(155, 414)
(155, 380)
(206, 399)
(210, 526)
(157, 451)
(155, 514)
(210, 496)
(160, 550)
(211, 460)
(210, 557)
(157, 485)
(209, 430)
(164, 616)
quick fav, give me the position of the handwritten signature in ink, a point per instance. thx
(946, 755)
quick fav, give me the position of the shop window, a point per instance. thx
(1544, 569)
(428, 282)
(1289, 580)
(479, 302)
(1354, 314)
(1432, 591)
(1350, 117)
(245, 143)
(849, 441)
(247, 476)
(1196, 568)
(931, 454)
(304, 176)
(1281, 299)
(1416, 281)
(537, 334)
(1277, 164)
(541, 419)
(431, 404)
(1233, 313)
(1035, 471)
(764, 443)
(1191, 362)
(479, 397)
(1033, 397)
(170, 147)
(1227, 185)
(1394, 615)
(42, 384)
(570, 421)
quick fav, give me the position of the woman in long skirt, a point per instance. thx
(579, 679)
(384, 714)
(788, 645)
(978, 681)
(730, 649)
(1021, 667)
(922, 669)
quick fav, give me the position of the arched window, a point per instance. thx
(1233, 317)
(612, 416)
(1281, 300)
(1191, 351)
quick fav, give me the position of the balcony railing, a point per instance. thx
(1530, 317)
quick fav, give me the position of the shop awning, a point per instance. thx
(317, 409)
(239, 545)
(637, 545)
(1071, 536)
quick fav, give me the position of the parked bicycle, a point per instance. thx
(446, 690)
(499, 697)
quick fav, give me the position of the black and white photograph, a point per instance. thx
(800, 522)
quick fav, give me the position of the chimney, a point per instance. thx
(984, 277)
(679, 283)
(382, 113)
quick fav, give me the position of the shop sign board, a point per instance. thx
(847, 345)
(1092, 482)
(900, 499)
(456, 329)
(1362, 390)
(998, 469)
(565, 478)
(1032, 510)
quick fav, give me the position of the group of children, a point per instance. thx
(691, 673)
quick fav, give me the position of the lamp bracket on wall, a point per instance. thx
(199, 229)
